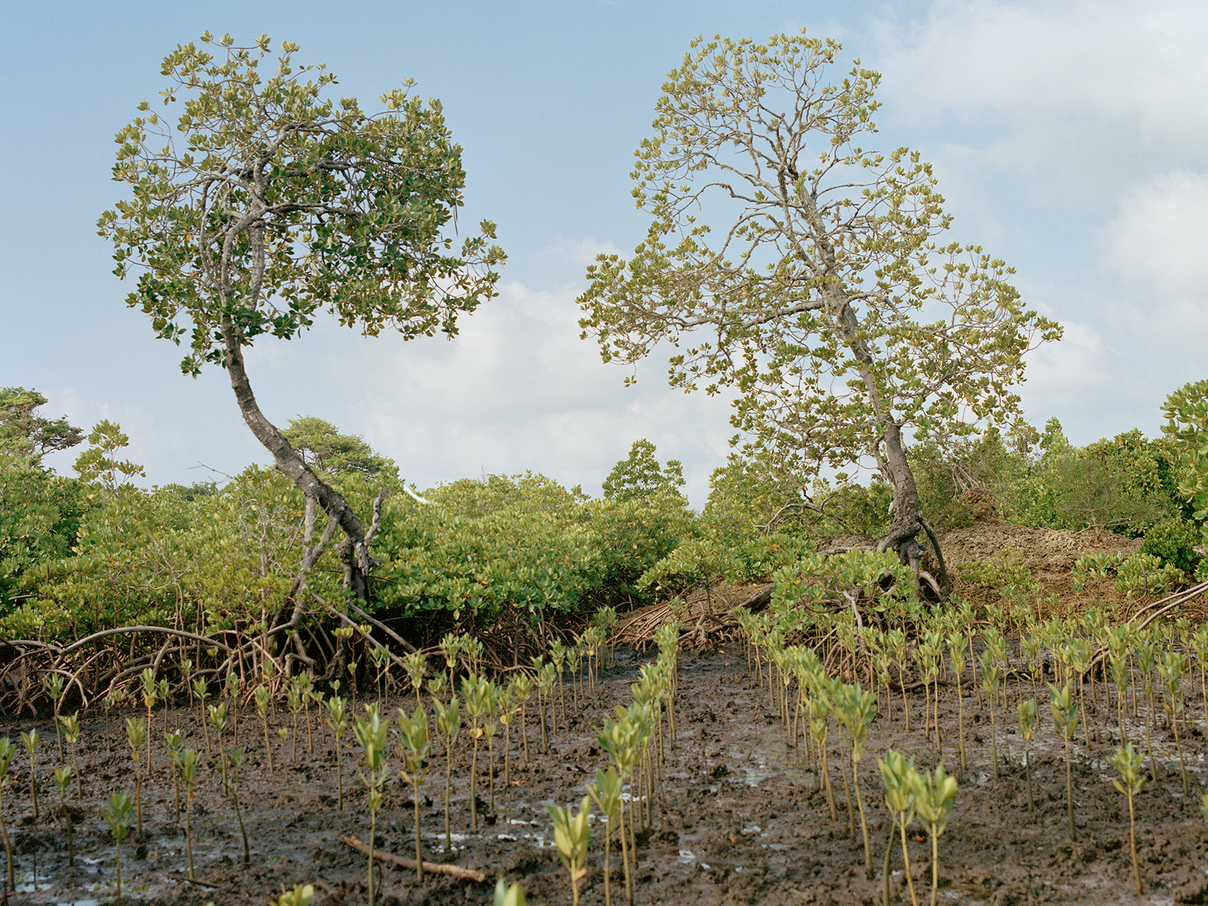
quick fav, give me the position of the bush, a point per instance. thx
(1173, 542)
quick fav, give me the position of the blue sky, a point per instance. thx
(1070, 138)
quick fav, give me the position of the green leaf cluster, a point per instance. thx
(264, 202)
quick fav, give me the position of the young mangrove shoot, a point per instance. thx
(1129, 763)
(572, 833)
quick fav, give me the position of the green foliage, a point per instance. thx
(1186, 428)
(810, 266)
(39, 520)
(483, 549)
(99, 464)
(25, 433)
(265, 203)
(330, 453)
(971, 477)
(875, 582)
(1173, 541)
(1146, 574)
(639, 474)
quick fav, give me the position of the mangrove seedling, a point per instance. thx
(381, 663)
(522, 689)
(547, 675)
(933, 802)
(450, 647)
(188, 773)
(53, 683)
(150, 697)
(136, 735)
(236, 762)
(856, 709)
(218, 717)
(372, 733)
(63, 781)
(901, 788)
(1145, 650)
(117, 816)
(1129, 762)
(414, 732)
(448, 722)
(70, 726)
(1065, 717)
(417, 667)
(264, 701)
(30, 741)
(991, 678)
(7, 750)
(957, 646)
(508, 896)
(1026, 712)
(474, 692)
(301, 895)
(173, 740)
(337, 719)
(293, 701)
(1173, 666)
(201, 692)
(572, 833)
(232, 690)
(606, 792)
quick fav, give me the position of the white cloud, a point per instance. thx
(519, 390)
(1073, 95)
(583, 252)
(1159, 238)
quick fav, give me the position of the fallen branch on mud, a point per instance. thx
(467, 874)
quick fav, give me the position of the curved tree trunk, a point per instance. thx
(890, 452)
(353, 550)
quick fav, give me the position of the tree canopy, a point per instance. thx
(264, 204)
(24, 432)
(788, 262)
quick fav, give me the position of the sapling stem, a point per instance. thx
(188, 773)
(136, 735)
(30, 741)
(236, 762)
(1065, 716)
(572, 834)
(1026, 711)
(117, 816)
(448, 722)
(7, 750)
(1129, 763)
(933, 801)
(414, 732)
(63, 781)
(371, 732)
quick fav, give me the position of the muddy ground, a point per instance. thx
(738, 818)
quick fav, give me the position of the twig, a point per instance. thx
(455, 871)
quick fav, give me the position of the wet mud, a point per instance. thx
(738, 814)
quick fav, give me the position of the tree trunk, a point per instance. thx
(353, 550)
(903, 534)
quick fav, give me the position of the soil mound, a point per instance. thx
(1047, 554)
